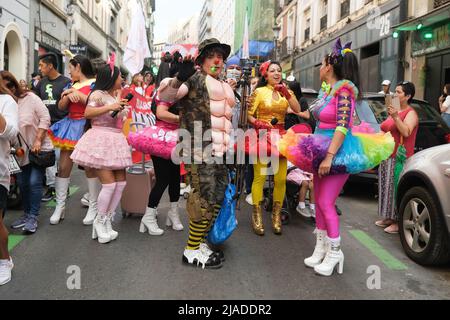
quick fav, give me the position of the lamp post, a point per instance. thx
(276, 33)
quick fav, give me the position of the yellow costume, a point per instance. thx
(264, 107)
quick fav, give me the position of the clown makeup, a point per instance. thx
(213, 64)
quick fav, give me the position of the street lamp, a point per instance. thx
(276, 33)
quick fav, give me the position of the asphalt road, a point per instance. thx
(139, 266)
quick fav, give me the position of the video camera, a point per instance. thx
(247, 66)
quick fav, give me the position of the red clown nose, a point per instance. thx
(217, 62)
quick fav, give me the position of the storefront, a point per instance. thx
(48, 44)
(13, 50)
(373, 44)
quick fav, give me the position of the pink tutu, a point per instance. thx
(103, 148)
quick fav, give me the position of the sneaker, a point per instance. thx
(207, 251)
(313, 213)
(31, 225)
(20, 222)
(49, 195)
(197, 258)
(6, 267)
(304, 212)
(249, 199)
(85, 200)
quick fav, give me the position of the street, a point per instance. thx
(139, 266)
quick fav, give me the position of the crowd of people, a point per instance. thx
(59, 122)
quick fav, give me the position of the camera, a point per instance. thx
(247, 66)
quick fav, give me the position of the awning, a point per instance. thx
(431, 18)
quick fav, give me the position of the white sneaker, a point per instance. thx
(249, 199)
(6, 267)
(304, 212)
(313, 212)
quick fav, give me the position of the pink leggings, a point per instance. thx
(327, 190)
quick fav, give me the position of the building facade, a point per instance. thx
(427, 56)
(185, 32)
(222, 21)
(14, 37)
(158, 51)
(366, 23)
(286, 20)
(205, 21)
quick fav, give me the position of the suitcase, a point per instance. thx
(140, 181)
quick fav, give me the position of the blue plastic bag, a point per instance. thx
(226, 220)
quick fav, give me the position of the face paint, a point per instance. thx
(213, 69)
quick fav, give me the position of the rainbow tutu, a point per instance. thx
(359, 151)
(66, 133)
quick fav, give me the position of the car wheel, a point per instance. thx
(422, 228)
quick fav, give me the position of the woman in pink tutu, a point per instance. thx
(105, 148)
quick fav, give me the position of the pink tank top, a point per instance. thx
(389, 126)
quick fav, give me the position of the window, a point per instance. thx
(307, 24)
(113, 26)
(345, 8)
(324, 19)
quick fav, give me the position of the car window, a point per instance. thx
(426, 113)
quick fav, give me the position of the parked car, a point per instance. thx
(423, 204)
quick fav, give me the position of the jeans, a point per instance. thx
(446, 117)
(51, 172)
(30, 183)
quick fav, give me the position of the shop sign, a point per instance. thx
(429, 40)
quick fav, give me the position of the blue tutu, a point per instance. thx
(66, 133)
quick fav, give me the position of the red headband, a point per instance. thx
(264, 68)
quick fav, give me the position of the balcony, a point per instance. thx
(286, 47)
(438, 3)
(323, 22)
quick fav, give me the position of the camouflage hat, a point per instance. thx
(210, 43)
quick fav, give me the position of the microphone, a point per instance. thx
(128, 98)
(274, 121)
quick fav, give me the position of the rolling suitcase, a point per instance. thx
(140, 181)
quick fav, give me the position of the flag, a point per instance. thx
(137, 46)
(245, 45)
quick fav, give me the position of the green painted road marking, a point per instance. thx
(390, 261)
(14, 240)
(72, 191)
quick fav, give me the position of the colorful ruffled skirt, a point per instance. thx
(359, 151)
(103, 148)
(66, 133)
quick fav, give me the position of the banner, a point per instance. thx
(140, 112)
(183, 49)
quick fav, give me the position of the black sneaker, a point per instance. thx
(49, 195)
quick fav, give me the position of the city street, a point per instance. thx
(139, 266)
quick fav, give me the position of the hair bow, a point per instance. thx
(111, 62)
(326, 88)
(264, 68)
(340, 50)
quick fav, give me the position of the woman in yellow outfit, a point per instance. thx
(271, 100)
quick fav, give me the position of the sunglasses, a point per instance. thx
(403, 83)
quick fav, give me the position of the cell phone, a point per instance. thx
(396, 103)
(388, 100)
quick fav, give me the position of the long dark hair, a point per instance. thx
(447, 87)
(105, 80)
(296, 88)
(262, 80)
(346, 67)
(20, 92)
(4, 90)
(85, 65)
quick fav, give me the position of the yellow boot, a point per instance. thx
(276, 218)
(257, 222)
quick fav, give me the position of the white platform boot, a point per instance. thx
(319, 251)
(94, 187)
(109, 219)
(150, 223)
(61, 186)
(333, 258)
(99, 229)
(173, 217)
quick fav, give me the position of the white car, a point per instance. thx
(423, 204)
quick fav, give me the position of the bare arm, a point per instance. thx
(407, 126)
(162, 112)
(93, 112)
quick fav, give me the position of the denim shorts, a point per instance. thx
(3, 198)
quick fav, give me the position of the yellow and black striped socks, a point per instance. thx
(196, 234)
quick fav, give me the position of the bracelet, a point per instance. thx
(333, 154)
